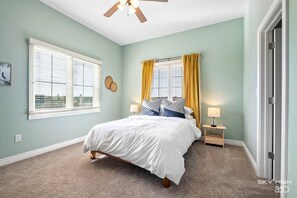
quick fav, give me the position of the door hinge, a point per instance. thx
(271, 45)
(271, 100)
(271, 155)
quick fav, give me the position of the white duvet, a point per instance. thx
(154, 143)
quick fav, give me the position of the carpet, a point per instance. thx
(211, 171)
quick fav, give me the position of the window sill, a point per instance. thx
(43, 115)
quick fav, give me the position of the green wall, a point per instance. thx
(292, 136)
(20, 20)
(254, 15)
(221, 46)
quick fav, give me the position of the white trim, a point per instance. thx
(285, 93)
(278, 8)
(70, 56)
(234, 142)
(254, 164)
(42, 115)
(60, 50)
(33, 153)
(271, 18)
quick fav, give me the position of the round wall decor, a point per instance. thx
(113, 87)
(108, 82)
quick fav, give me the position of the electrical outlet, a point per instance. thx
(18, 138)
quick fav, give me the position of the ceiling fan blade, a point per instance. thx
(112, 10)
(155, 0)
(140, 15)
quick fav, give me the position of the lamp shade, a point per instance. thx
(134, 108)
(214, 112)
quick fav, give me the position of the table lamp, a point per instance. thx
(134, 108)
(214, 112)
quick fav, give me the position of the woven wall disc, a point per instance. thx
(108, 82)
(113, 87)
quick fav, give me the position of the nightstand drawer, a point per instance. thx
(214, 140)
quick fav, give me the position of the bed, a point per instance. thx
(154, 143)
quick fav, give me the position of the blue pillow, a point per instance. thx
(174, 109)
(151, 108)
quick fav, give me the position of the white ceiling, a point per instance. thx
(163, 18)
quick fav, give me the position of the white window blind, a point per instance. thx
(50, 80)
(167, 80)
(61, 82)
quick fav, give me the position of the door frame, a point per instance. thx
(278, 10)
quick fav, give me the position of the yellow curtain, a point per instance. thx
(191, 84)
(147, 78)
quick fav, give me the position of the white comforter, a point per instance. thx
(154, 143)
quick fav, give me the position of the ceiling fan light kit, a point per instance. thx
(133, 7)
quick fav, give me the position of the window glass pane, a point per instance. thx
(155, 83)
(43, 89)
(177, 92)
(78, 96)
(78, 91)
(50, 80)
(78, 72)
(167, 81)
(45, 100)
(42, 66)
(177, 74)
(164, 92)
(88, 96)
(59, 90)
(154, 92)
(59, 69)
(88, 75)
(83, 83)
(164, 81)
(88, 91)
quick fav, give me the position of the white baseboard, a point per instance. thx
(33, 153)
(250, 157)
(234, 142)
(240, 143)
(228, 141)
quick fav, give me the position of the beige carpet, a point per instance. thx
(210, 172)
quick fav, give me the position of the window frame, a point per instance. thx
(169, 64)
(68, 110)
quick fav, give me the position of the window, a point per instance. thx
(82, 84)
(167, 80)
(61, 82)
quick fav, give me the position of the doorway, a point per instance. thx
(274, 107)
(272, 94)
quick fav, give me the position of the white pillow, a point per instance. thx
(188, 110)
(189, 117)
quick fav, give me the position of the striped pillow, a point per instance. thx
(151, 108)
(174, 109)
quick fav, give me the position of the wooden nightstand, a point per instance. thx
(217, 139)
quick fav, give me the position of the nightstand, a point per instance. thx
(211, 138)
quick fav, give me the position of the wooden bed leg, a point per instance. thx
(166, 182)
(93, 155)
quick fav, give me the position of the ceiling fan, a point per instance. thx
(133, 7)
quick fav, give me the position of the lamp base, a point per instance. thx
(213, 125)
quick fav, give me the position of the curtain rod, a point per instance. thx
(168, 59)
